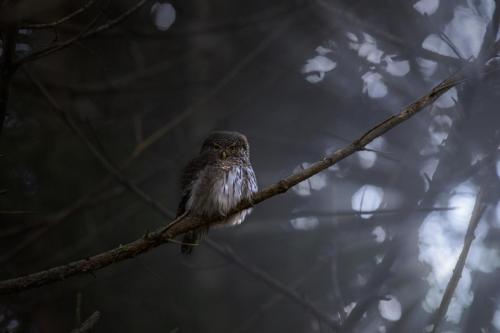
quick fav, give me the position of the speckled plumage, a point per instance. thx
(216, 180)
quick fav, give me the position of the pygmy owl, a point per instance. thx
(215, 181)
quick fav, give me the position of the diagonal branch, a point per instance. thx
(224, 252)
(477, 212)
(88, 324)
(228, 253)
(165, 234)
(247, 323)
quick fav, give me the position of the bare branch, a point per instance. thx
(477, 212)
(88, 324)
(86, 34)
(347, 213)
(228, 253)
(159, 133)
(7, 69)
(61, 20)
(188, 223)
(16, 212)
(95, 151)
(247, 323)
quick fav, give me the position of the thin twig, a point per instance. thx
(7, 69)
(247, 323)
(95, 150)
(47, 223)
(78, 310)
(88, 324)
(477, 212)
(160, 236)
(16, 212)
(228, 253)
(62, 45)
(348, 213)
(159, 133)
(61, 20)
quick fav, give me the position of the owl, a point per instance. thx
(215, 181)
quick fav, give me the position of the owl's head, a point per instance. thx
(226, 145)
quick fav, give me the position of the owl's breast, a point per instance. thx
(218, 189)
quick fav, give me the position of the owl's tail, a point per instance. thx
(189, 241)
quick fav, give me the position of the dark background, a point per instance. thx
(300, 79)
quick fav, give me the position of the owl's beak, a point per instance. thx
(223, 154)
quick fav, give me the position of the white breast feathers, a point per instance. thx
(217, 190)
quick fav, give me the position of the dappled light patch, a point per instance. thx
(440, 243)
(463, 36)
(379, 234)
(367, 49)
(495, 321)
(427, 67)
(348, 308)
(315, 183)
(447, 100)
(396, 67)
(10, 321)
(373, 85)
(497, 168)
(316, 67)
(390, 308)
(377, 62)
(368, 198)
(305, 223)
(426, 7)
(462, 200)
(439, 129)
(367, 158)
(164, 15)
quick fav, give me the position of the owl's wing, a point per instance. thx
(189, 175)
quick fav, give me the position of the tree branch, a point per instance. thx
(61, 20)
(160, 132)
(247, 323)
(6, 71)
(166, 234)
(62, 45)
(228, 253)
(88, 324)
(477, 212)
